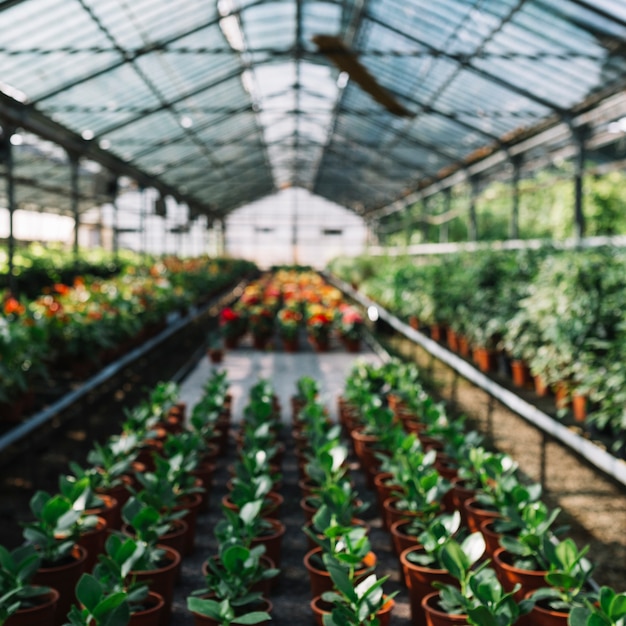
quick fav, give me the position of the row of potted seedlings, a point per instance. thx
(345, 589)
(475, 542)
(240, 576)
(106, 549)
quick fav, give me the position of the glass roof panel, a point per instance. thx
(269, 25)
(142, 22)
(114, 98)
(49, 43)
(213, 89)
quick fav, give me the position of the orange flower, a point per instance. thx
(13, 307)
(61, 288)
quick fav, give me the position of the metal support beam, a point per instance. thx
(7, 132)
(447, 203)
(74, 198)
(472, 227)
(517, 166)
(580, 136)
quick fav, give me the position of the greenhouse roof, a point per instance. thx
(363, 102)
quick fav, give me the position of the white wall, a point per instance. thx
(263, 231)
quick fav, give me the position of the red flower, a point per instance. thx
(228, 315)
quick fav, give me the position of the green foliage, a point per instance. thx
(17, 568)
(97, 608)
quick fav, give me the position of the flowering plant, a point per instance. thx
(349, 322)
(319, 321)
(289, 320)
(260, 320)
(231, 323)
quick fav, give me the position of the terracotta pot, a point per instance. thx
(121, 494)
(510, 575)
(42, 614)
(203, 620)
(320, 344)
(352, 345)
(290, 345)
(192, 503)
(464, 346)
(321, 608)
(419, 581)
(562, 395)
(541, 615)
(93, 541)
(63, 578)
(204, 472)
(492, 538)
(435, 616)
(579, 406)
(364, 448)
(151, 614)
(393, 514)
(520, 373)
(475, 514)
(110, 511)
(541, 389)
(320, 579)
(216, 355)
(384, 488)
(453, 340)
(402, 540)
(458, 494)
(485, 359)
(231, 342)
(162, 581)
(272, 540)
(438, 332)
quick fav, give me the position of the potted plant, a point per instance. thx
(289, 320)
(235, 572)
(53, 533)
(349, 325)
(567, 581)
(249, 527)
(348, 546)
(319, 321)
(232, 325)
(97, 608)
(353, 604)
(608, 609)
(18, 596)
(113, 575)
(476, 595)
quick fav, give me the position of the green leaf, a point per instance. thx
(253, 617)
(205, 606)
(250, 511)
(233, 557)
(340, 577)
(454, 560)
(89, 591)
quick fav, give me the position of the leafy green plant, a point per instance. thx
(54, 530)
(233, 573)
(479, 595)
(609, 609)
(567, 576)
(354, 604)
(97, 608)
(17, 568)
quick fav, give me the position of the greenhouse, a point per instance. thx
(312, 311)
